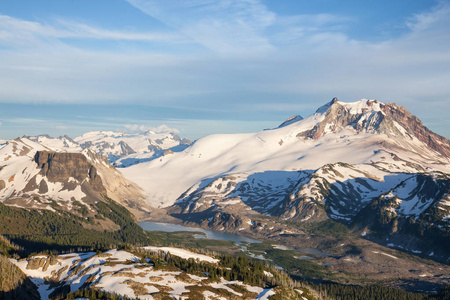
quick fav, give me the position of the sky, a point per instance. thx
(198, 67)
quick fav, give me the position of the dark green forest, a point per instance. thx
(34, 231)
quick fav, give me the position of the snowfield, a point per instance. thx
(183, 253)
(124, 273)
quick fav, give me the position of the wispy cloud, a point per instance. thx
(228, 28)
(426, 20)
(18, 32)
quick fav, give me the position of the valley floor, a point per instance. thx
(345, 258)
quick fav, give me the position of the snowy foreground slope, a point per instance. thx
(127, 274)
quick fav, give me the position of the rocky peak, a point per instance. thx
(67, 138)
(126, 149)
(375, 117)
(336, 117)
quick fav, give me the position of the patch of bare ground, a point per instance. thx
(108, 273)
(103, 255)
(36, 263)
(51, 260)
(138, 288)
(57, 275)
(155, 278)
(85, 271)
(122, 273)
(162, 296)
(161, 288)
(142, 274)
(183, 277)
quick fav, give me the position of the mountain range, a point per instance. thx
(364, 163)
(122, 149)
(367, 164)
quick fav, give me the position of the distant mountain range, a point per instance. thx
(121, 149)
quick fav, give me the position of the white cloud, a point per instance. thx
(426, 20)
(18, 32)
(159, 129)
(1, 123)
(232, 27)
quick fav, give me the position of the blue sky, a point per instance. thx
(208, 66)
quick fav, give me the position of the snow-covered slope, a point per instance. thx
(60, 144)
(354, 133)
(291, 120)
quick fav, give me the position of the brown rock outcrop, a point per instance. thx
(60, 167)
(413, 125)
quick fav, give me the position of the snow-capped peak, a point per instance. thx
(351, 133)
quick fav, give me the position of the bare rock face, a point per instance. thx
(126, 149)
(412, 124)
(167, 152)
(43, 187)
(336, 115)
(36, 263)
(60, 167)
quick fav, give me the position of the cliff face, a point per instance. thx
(62, 167)
(413, 125)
